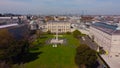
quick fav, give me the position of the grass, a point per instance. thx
(60, 57)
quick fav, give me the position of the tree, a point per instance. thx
(48, 32)
(76, 33)
(10, 48)
(6, 41)
(85, 57)
(0, 14)
(68, 33)
(7, 49)
(38, 33)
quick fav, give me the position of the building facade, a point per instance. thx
(33, 25)
(58, 26)
(106, 36)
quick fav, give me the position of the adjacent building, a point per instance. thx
(106, 36)
(8, 20)
(33, 25)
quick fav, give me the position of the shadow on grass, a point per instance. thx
(43, 37)
(25, 58)
(34, 49)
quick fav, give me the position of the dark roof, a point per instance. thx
(18, 32)
(113, 27)
(110, 29)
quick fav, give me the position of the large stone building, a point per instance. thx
(60, 26)
(106, 36)
(52, 26)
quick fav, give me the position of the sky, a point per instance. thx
(60, 6)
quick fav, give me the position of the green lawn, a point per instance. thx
(60, 57)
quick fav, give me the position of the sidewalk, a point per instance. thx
(113, 62)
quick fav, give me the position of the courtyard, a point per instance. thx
(62, 56)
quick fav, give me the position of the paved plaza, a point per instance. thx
(113, 62)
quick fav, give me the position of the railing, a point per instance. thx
(101, 60)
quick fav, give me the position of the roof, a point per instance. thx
(8, 25)
(58, 22)
(32, 22)
(109, 29)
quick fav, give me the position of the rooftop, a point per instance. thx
(58, 22)
(109, 29)
(8, 18)
(8, 25)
